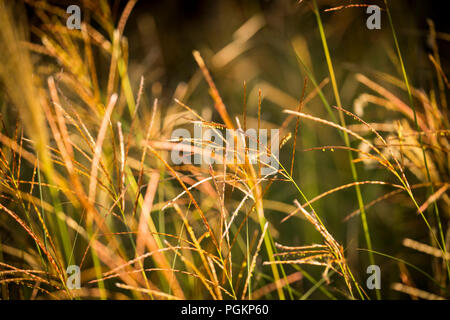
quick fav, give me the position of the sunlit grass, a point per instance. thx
(87, 177)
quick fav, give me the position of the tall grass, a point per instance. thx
(87, 177)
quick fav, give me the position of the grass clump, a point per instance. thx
(87, 177)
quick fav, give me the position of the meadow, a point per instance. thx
(355, 204)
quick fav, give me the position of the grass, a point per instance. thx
(87, 177)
